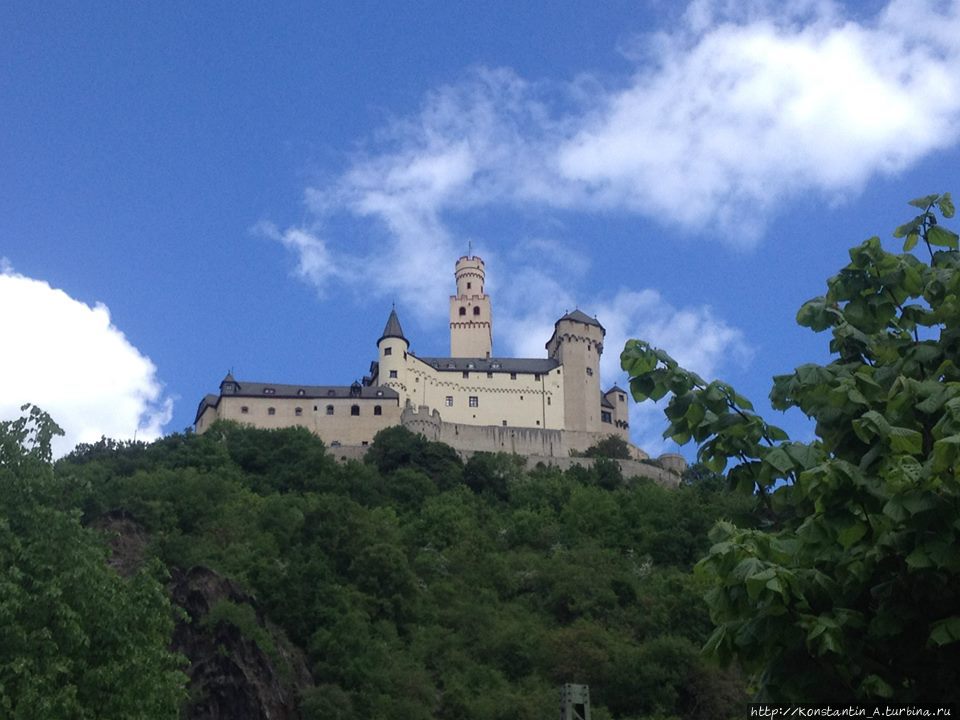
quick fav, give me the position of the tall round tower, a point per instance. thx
(471, 318)
(577, 344)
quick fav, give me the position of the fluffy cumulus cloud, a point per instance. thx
(67, 358)
(740, 111)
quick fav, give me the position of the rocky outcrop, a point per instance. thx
(232, 677)
(241, 667)
(126, 539)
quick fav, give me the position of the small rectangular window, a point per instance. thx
(244, 410)
(513, 376)
(504, 423)
(388, 351)
(590, 371)
(298, 411)
(474, 401)
(393, 373)
(448, 401)
(536, 377)
(489, 375)
(271, 411)
(605, 417)
(466, 375)
(329, 409)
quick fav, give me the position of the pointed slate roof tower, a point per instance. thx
(393, 329)
(229, 385)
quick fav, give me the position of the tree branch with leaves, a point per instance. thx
(853, 590)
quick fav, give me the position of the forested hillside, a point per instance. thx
(408, 586)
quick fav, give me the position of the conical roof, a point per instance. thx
(581, 317)
(392, 328)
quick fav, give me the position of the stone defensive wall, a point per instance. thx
(536, 445)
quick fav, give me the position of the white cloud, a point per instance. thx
(68, 359)
(741, 115)
(726, 117)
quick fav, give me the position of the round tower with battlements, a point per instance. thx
(471, 318)
(577, 344)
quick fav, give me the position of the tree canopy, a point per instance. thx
(76, 639)
(852, 587)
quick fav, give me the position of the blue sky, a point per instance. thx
(187, 188)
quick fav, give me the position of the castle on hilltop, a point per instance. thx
(471, 400)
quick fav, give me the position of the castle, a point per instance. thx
(471, 400)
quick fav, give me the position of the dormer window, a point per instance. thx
(301, 391)
(269, 391)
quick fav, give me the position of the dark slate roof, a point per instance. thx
(208, 401)
(615, 388)
(581, 317)
(604, 402)
(258, 389)
(392, 328)
(510, 365)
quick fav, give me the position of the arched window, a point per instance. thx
(298, 411)
(354, 409)
(377, 410)
(329, 409)
(463, 311)
(476, 309)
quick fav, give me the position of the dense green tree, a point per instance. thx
(76, 639)
(852, 590)
(612, 446)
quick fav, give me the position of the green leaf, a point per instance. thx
(851, 534)
(905, 440)
(924, 202)
(779, 460)
(756, 583)
(939, 236)
(908, 228)
(945, 205)
(911, 242)
(875, 686)
(946, 631)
